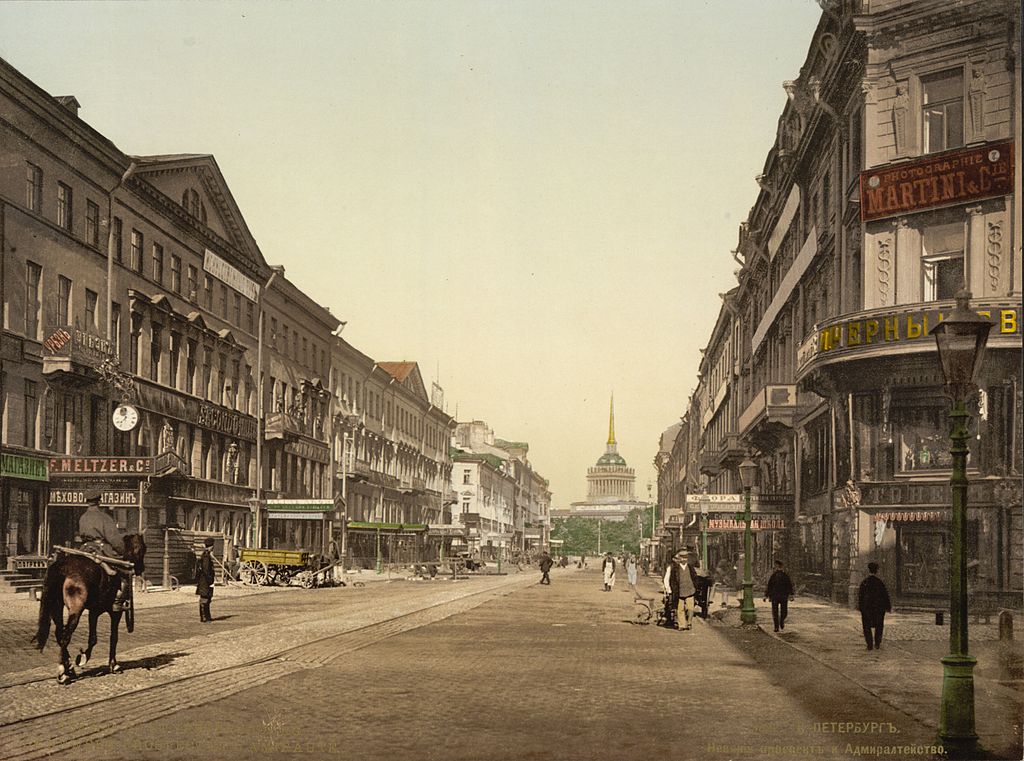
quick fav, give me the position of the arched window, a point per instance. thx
(193, 204)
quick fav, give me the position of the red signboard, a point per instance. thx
(101, 466)
(944, 179)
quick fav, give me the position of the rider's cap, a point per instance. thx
(209, 541)
(93, 496)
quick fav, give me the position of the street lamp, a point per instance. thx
(961, 339)
(748, 474)
(704, 504)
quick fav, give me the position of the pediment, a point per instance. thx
(194, 183)
(407, 374)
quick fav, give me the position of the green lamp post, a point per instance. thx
(961, 339)
(704, 504)
(748, 475)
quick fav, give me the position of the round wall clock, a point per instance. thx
(125, 417)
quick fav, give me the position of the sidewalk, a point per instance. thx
(906, 672)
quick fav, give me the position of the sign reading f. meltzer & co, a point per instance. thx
(101, 466)
(969, 174)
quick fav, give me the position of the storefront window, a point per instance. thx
(921, 433)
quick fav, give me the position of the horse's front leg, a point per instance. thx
(115, 624)
(66, 672)
(84, 655)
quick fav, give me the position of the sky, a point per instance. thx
(535, 201)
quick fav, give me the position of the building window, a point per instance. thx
(34, 188)
(943, 110)
(115, 326)
(90, 309)
(64, 206)
(943, 261)
(92, 224)
(63, 300)
(466, 475)
(158, 263)
(176, 274)
(223, 301)
(156, 339)
(190, 365)
(207, 373)
(273, 332)
(250, 316)
(208, 288)
(31, 413)
(118, 241)
(33, 301)
(193, 284)
(305, 351)
(136, 252)
(222, 371)
(135, 344)
(194, 205)
(174, 356)
(238, 309)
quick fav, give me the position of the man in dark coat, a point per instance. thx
(545, 567)
(873, 603)
(99, 532)
(780, 592)
(204, 581)
(680, 583)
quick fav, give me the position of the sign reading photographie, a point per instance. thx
(969, 174)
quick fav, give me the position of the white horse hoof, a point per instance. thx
(115, 668)
(82, 660)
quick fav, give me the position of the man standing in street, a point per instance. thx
(545, 567)
(204, 581)
(681, 584)
(780, 592)
(873, 603)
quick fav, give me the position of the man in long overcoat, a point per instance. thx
(873, 603)
(204, 581)
(779, 591)
(545, 567)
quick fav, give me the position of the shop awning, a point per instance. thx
(393, 527)
(914, 516)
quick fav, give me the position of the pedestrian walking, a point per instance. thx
(780, 592)
(873, 603)
(545, 567)
(645, 565)
(631, 570)
(204, 581)
(700, 597)
(608, 571)
(680, 584)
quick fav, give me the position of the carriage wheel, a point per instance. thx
(307, 579)
(261, 572)
(247, 573)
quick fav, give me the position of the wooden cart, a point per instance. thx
(270, 567)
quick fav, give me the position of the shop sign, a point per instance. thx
(78, 345)
(101, 466)
(761, 522)
(108, 498)
(21, 466)
(308, 450)
(895, 327)
(933, 494)
(918, 516)
(961, 176)
(714, 499)
(226, 421)
(226, 272)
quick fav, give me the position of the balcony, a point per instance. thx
(731, 451)
(282, 425)
(772, 405)
(709, 464)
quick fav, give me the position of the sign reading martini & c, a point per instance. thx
(945, 179)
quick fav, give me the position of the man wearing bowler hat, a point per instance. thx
(873, 603)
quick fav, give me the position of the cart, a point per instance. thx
(260, 567)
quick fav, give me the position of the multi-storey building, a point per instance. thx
(126, 280)
(391, 447)
(894, 181)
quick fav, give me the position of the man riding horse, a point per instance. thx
(100, 534)
(92, 579)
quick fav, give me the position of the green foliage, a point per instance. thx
(580, 534)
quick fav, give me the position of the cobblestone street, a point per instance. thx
(547, 672)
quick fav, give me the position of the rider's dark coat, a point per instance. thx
(204, 577)
(98, 526)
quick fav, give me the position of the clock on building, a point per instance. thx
(125, 417)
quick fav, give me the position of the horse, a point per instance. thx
(78, 583)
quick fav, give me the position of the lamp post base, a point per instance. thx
(956, 714)
(748, 616)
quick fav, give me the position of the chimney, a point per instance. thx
(70, 102)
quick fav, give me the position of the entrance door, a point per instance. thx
(64, 524)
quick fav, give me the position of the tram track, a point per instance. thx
(55, 730)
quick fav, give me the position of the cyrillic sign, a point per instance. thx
(227, 273)
(757, 523)
(69, 341)
(20, 466)
(943, 180)
(100, 466)
(109, 498)
(714, 499)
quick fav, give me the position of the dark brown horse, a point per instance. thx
(78, 583)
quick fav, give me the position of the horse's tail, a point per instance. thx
(49, 601)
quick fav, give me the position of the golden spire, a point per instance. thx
(611, 420)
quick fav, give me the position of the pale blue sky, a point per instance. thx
(537, 197)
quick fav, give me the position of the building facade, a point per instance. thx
(894, 181)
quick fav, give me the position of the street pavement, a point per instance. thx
(487, 668)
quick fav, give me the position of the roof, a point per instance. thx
(668, 437)
(611, 458)
(397, 370)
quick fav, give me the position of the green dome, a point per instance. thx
(611, 458)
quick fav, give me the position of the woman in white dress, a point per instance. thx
(608, 570)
